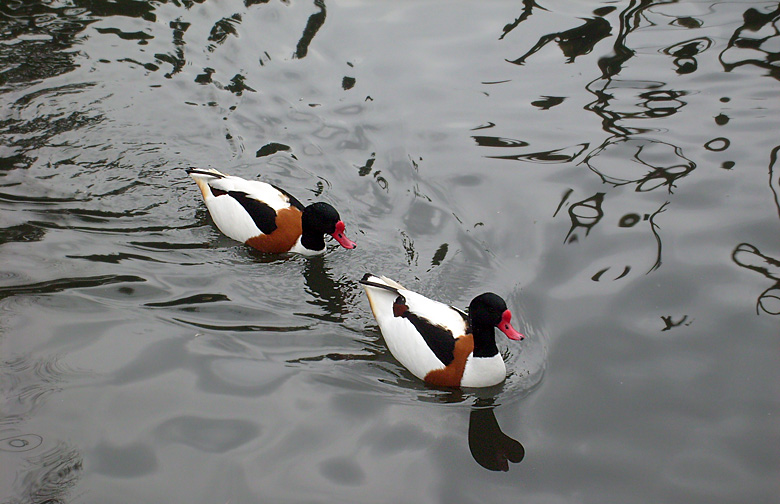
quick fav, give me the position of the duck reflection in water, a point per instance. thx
(490, 447)
(328, 294)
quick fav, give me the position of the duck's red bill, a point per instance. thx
(341, 238)
(506, 327)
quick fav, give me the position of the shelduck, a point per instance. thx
(266, 217)
(440, 344)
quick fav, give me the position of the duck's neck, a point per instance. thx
(484, 341)
(312, 240)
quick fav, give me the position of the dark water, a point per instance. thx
(610, 168)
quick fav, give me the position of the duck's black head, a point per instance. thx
(489, 310)
(318, 220)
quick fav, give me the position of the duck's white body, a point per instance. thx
(431, 339)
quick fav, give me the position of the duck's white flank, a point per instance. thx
(227, 213)
(402, 339)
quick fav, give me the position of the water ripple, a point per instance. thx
(21, 233)
(242, 327)
(44, 33)
(189, 300)
(212, 355)
(26, 384)
(21, 443)
(50, 476)
(64, 284)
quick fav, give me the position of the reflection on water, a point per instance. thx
(755, 42)
(126, 461)
(684, 53)
(21, 233)
(628, 156)
(44, 34)
(528, 10)
(576, 41)
(670, 323)
(588, 213)
(328, 294)
(490, 447)
(210, 435)
(654, 164)
(748, 256)
(314, 23)
(583, 214)
(556, 156)
(61, 284)
(774, 177)
(216, 373)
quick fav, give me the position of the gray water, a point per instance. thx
(610, 168)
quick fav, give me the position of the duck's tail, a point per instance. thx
(202, 176)
(382, 293)
(381, 282)
(207, 173)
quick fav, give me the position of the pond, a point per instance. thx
(609, 168)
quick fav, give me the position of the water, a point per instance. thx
(611, 169)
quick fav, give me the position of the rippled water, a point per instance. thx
(610, 168)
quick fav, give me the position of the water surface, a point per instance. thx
(610, 168)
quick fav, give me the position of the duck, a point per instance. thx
(266, 217)
(438, 343)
